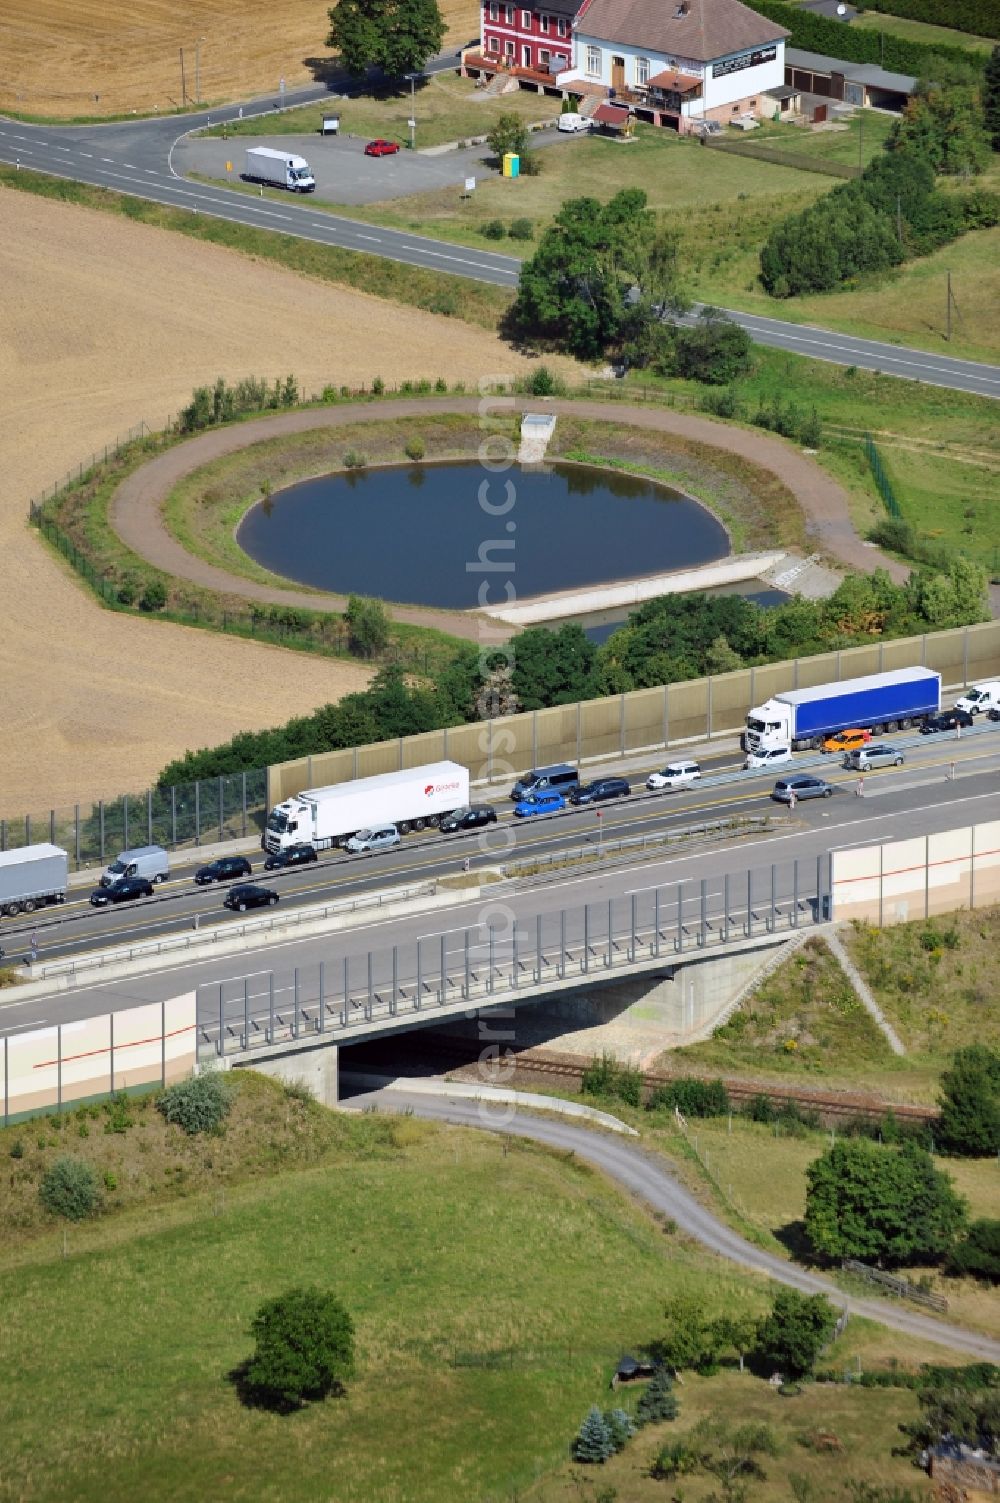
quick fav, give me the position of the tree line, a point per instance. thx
(667, 640)
(978, 17)
(895, 210)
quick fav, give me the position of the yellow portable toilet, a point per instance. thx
(511, 164)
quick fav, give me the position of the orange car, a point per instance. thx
(846, 741)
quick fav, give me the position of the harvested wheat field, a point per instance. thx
(99, 57)
(106, 322)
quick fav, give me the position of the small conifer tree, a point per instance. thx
(593, 1443)
(621, 1427)
(659, 1402)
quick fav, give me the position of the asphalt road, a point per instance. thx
(135, 158)
(646, 1176)
(837, 822)
(76, 927)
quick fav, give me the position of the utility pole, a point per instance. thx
(183, 84)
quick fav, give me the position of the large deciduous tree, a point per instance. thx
(304, 1349)
(883, 1205)
(397, 36)
(970, 1103)
(991, 99)
(794, 1332)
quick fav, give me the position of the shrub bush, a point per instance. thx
(197, 1105)
(694, 1098)
(304, 1349)
(659, 1402)
(606, 1077)
(154, 596)
(493, 229)
(355, 460)
(69, 1188)
(415, 449)
(543, 383)
(522, 229)
(979, 1254)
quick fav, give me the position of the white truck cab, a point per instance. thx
(980, 697)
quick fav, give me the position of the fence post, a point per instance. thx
(76, 820)
(197, 811)
(163, 1043)
(125, 820)
(173, 815)
(222, 808)
(244, 804)
(149, 816)
(100, 807)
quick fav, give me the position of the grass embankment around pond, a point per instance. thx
(493, 1285)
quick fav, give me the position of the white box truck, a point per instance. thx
(281, 169)
(32, 876)
(411, 800)
(880, 702)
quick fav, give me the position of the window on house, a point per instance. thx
(544, 22)
(544, 57)
(594, 60)
(642, 71)
(494, 10)
(508, 48)
(508, 14)
(561, 27)
(492, 44)
(526, 19)
(736, 109)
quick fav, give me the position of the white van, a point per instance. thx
(149, 861)
(980, 697)
(573, 122)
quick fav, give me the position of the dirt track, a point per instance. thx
(105, 322)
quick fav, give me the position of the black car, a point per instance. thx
(596, 793)
(468, 818)
(293, 855)
(246, 895)
(993, 713)
(948, 720)
(125, 891)
(223, 870)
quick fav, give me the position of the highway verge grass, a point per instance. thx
(484, 1275)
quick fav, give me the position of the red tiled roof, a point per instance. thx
(677, 83)
(610, 114)
(700, 29)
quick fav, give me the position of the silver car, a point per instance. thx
(868, 758)
(381, 839)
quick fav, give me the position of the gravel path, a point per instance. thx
(645, 1175)
(136, 510)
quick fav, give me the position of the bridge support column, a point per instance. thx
(317, 1068)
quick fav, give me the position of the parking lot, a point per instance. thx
(344, 175)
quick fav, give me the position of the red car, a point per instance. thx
(380, 148)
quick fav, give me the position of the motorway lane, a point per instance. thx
(646, 1175)
(838, 822)
(135, 158)
(76, 927)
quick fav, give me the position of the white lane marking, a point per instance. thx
(21, 1027)
(110, 160)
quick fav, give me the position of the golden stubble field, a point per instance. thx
(99, 57)
(105, 322)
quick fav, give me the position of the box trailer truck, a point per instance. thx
(31, 876)
(411, 800)
(879, 702)
(281, 169)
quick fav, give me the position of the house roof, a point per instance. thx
(866, 73)
(611, 114)
(699, 29)
(677, 83)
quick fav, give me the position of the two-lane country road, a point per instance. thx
(646, 1176)
(135, 158)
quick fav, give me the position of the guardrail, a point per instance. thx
(610, 852)
(198, 937)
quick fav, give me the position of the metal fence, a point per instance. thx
(882, 481)
(491, 962)
(893, 1285)
(186, 815)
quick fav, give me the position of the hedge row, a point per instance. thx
(979, 17)
(815, 33)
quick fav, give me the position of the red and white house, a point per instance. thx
(536, 37)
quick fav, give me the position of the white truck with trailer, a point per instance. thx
(879, 702)
(411, 800)
(279, 169)
(31, 877)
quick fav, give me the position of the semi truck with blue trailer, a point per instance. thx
(879, 702)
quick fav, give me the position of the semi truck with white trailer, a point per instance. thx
(879, 702)
(411, 800)
(31, 877)
(280, 169)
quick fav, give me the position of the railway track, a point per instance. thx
(567, 1071)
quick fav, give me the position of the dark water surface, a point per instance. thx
(421, 534)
